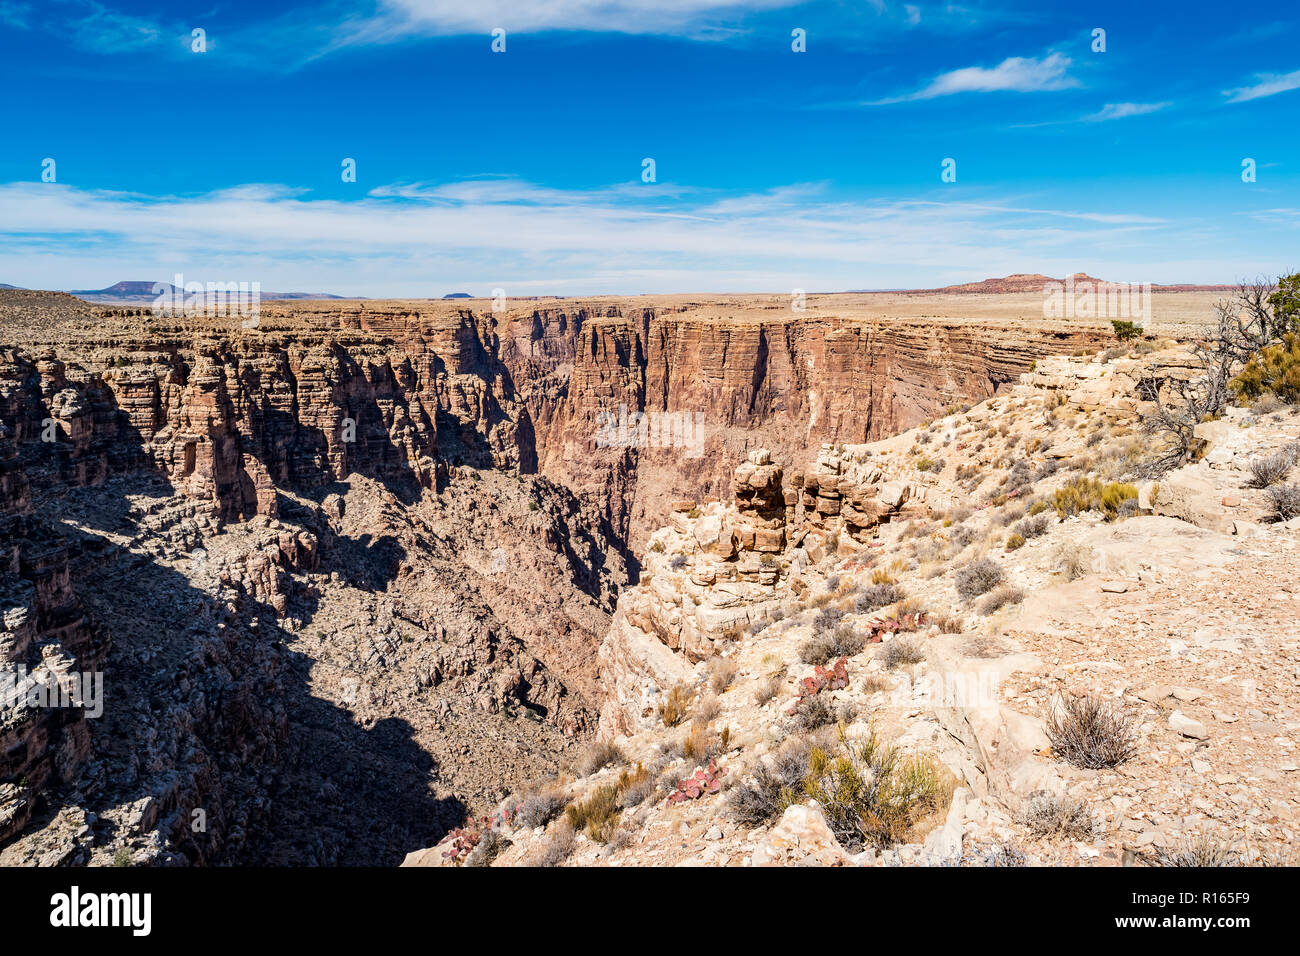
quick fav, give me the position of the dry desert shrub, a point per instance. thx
(698, 744)
(843, 641)
(984, 646)
(767, 689)
(1001, 597)
(540, 807)
(1005, 854)
(828, 618)
(760, 798)
(950, 624)
(1073, 560)
(821, 599)
(813, 713)
(1284, 502)
(676, 705)
(1272, 469)
(721, 674)
(963, 536)
(978, 577)
(708, 709)
(1015, 541)
(488, 848)
(1035, 525)
(1009, 514)
(598, 814)
(1048, 468)
(959, 514)
(600, 754)
(1047, 815)
(635, 786)
(1090, 494)
(1091, 732)
(559, 847)
(901, 651)
(1200, 849)
(877, 596)
(874, 684)
(622, 836)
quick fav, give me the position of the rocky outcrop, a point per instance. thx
(716, 573)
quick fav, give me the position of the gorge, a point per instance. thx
(346, 573)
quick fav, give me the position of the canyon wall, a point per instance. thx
(185, 509)
(372, 542)
(787, 384)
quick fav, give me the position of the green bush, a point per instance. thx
(597, 814)
(1274, 370)
(1090, 494)
(1125, 330)
(870, 794)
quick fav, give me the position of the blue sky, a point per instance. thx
(522, 170)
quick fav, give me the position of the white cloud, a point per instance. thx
(1121, 110)
(424, 240)
(401, 18)
(1016, 74)
(1270, 84)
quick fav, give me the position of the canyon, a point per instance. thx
(346, 573)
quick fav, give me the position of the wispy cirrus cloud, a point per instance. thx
(1113, 111)
(1015, 74)
(86, 24)
(1268, 84)
(398, 19)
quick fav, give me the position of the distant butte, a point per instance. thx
(1034, 282)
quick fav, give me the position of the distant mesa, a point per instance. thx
(123, 288)
(458, 295)
(16, 288)
(134, 292)
(1020, 282)
(1023, 282)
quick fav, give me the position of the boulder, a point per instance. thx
(800, 838)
